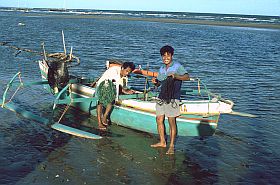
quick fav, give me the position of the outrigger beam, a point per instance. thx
(57, 126)
(74, 131)
(29, 115)
(243, 114)
(75, 100)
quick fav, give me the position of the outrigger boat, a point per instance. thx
(136, 111)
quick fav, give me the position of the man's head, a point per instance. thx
(166, 53)
(127, 68)
(167, 49)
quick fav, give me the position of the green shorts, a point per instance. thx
(171, 109)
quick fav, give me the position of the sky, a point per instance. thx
(249, 7)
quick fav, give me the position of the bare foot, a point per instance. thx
(101, 127)
(170, 151)
(159, 145)
(105, 122)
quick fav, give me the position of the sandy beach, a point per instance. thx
(165, 20)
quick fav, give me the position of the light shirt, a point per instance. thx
(113, 74)
(174, 68)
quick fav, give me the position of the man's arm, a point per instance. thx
(183, 77)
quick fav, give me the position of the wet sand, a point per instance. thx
(167, 20)
(118, 158)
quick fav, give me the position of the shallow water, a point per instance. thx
(242, 64)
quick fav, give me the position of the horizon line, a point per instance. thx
(139, 11)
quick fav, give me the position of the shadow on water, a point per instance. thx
(262, 163)
(192, 173)
(197, 164)
(123, 154)
(204, 129)
(81, 120)
(25, 148)
(26, 144)
(127, 159)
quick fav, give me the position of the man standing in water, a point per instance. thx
(170, 77)
(108, 88)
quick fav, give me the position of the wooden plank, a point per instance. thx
(74, 100)
(74, 131)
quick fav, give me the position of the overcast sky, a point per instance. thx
(250, 7)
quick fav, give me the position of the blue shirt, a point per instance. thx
(174, 68)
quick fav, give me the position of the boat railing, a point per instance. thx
(18, 83)
(193, 89)
(196, 88)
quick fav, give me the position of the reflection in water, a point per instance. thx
(121, 157)
(27, 148)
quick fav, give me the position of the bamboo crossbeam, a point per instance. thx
(59, 56)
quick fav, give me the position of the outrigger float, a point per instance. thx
(135, 111)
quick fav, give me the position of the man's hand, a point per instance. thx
(128, 91)
(180, 77)
(173, 75)
(154, 80)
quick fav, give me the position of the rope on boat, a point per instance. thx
(58, 56)
(67, 107)
(106, 92)
(198, 85)
(19, 49)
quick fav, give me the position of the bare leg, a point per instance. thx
(160, 128)
(173, 132)
(107, 112)
(99, 113)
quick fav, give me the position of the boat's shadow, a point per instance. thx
(80, 120)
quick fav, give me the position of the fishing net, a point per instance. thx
(167, 90)
(58, 75)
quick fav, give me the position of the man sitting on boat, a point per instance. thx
(108, 88)
(170, 77)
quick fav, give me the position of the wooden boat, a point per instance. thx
(137, 111)
(198, 118)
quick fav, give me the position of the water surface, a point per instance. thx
(240, 63)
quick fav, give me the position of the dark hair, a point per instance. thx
(167, 49)
(128, 64)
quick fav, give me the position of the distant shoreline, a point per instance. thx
(166, 20)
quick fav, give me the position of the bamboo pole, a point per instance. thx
(71, 50)
(64, 46)
(44, 51)
(146, 82)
